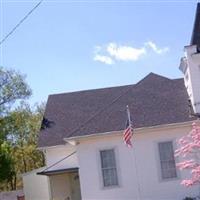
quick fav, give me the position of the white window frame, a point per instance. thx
(161, 179)
(117, 168)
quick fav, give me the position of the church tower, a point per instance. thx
(190, 65)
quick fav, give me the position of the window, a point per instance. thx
(167, 161)
(108, 168)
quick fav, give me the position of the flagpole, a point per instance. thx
(134, 156)
(128, 113)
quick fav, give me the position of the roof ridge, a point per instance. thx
(158, 75)
(90, 90)
(176, 79)
(110, 87)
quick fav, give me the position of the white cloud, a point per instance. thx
(104, 59)
(125, 53)
(97, 49)
(113, 52)
(154, 47)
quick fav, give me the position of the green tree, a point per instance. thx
(7, 168)
(12, 87)
(21, 130)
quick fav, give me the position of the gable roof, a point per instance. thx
(155, 100)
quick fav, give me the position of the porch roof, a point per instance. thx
(58, 171)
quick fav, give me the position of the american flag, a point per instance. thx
(128, 132)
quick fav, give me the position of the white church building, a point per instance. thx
(82, 138)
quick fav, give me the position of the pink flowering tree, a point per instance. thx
(189, 151)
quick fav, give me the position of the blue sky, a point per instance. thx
(76, 45)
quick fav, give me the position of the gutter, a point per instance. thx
(73, 140)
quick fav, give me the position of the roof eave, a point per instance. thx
(75, 140)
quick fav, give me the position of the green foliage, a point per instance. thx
(12, 88)
(20, 131)
(6, 162)
(2, 128)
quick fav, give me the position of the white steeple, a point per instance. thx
(190, 65)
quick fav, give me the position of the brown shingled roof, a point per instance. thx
(155, 100)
